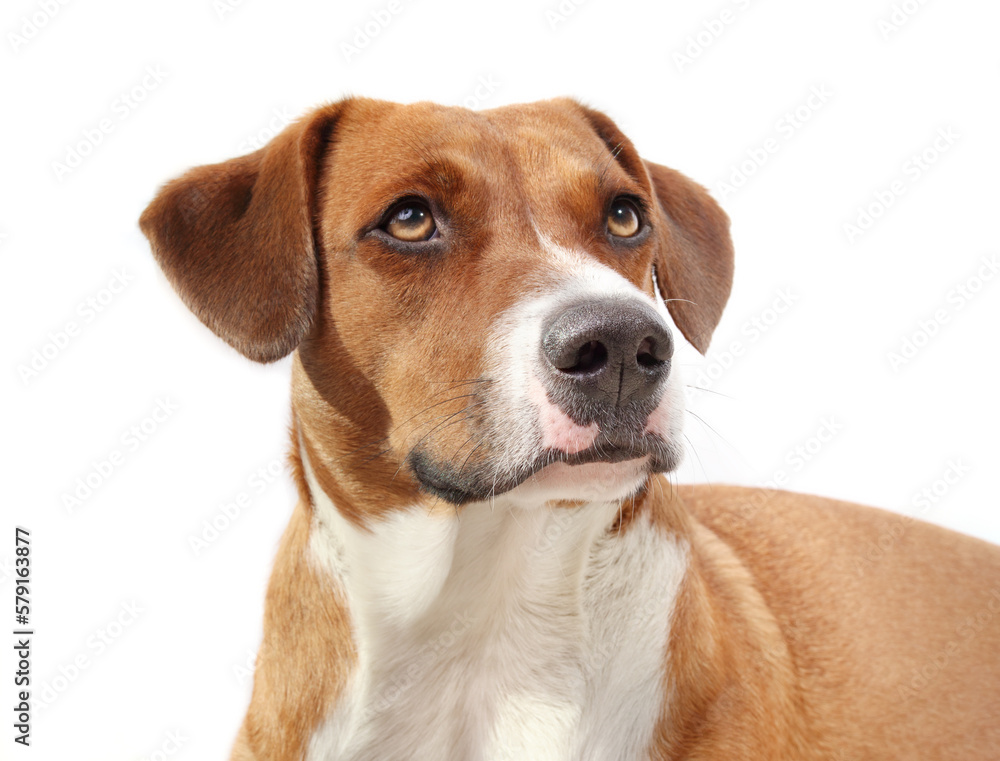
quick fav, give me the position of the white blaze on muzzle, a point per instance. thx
(526, 421)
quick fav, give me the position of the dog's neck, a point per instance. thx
(544, 624)
(418, 563)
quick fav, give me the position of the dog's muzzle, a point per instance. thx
(598, 383)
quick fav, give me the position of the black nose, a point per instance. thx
(610, 351)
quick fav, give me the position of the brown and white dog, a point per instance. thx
(485, 563)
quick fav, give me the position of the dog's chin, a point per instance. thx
(590, 482)
(604, 472)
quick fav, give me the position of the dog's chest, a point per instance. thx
(507, 634)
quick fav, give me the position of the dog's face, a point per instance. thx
(471, 293)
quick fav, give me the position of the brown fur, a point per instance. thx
(236, 240)
(849, 643)
(779, 649)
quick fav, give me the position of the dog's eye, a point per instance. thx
(411, 221)
(623, 218)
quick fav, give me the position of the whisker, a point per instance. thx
(455, 453)
(721, 438)
(612, 156)
(709, 390)
(372, 458)
(465, 380)
(464, 411)
(412, 417)
(701, 420)
(701, 465)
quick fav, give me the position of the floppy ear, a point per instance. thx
(694, 266)
(695, 263)
(236, 239)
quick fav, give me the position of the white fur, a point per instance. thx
(509, 632)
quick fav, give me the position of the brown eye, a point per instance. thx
(411, 221)
(623, 218)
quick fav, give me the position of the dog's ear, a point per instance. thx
(694, 269)
(236, 239)
(694, 265)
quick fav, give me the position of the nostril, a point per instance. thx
(583, 342)
(650, 355)
(590, 357)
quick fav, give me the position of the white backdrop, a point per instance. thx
(854, 146)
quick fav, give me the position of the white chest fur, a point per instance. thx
(508, 633)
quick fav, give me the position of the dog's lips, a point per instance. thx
(609, 451)
(488, 479)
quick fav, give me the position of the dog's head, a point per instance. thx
(473, 295)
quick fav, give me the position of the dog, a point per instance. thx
(487, 561)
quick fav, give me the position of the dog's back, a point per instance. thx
(893, 624)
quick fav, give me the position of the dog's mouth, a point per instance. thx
(485, 480)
